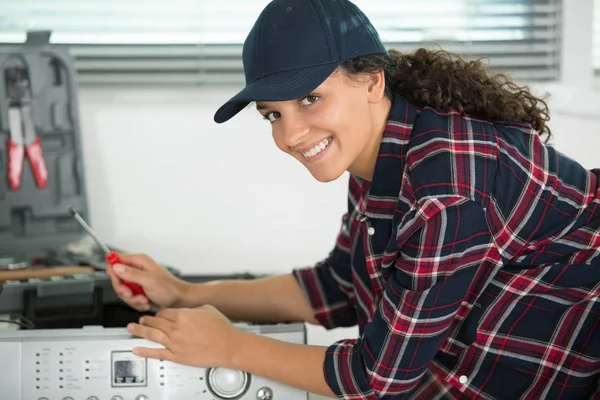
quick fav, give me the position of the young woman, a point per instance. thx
(469, 253)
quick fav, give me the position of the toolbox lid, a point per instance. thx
(33, 218)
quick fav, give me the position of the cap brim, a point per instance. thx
(282, 86)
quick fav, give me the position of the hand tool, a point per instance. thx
(23, 138)
(112, 257)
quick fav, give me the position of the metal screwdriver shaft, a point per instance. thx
(89, 230)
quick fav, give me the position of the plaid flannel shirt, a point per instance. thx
(470, 264)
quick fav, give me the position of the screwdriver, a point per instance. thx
(112, 257)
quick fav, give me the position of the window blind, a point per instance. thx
(200, 41)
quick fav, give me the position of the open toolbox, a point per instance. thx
(51, 272)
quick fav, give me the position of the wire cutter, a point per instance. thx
(23, 138)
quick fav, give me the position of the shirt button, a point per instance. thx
(463, 379)
(371, 231)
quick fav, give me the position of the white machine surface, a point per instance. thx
(96, 363)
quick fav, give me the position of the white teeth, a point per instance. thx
(318, 148)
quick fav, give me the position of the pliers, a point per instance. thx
(23, 137)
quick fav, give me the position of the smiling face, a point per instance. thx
(335, 128)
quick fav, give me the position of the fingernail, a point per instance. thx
(130, 327)
(119, 268)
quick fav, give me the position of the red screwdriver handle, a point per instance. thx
(113, 258)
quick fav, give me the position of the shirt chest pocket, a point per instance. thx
(399, 258)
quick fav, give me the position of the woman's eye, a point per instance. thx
(272, 116)
(309, 100)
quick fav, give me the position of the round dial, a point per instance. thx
(227, 383)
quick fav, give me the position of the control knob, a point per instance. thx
(264, 394)
(227, 383)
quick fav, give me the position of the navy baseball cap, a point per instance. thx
(295, 45)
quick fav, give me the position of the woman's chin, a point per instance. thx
(327, 173)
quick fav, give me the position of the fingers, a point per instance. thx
(207, 307)
(118, 286)
(156, 330)
(159, 354)
(130, 274)
(152, 334)
(168, 314)
(135, 268)
(140, 261)
(157, 323)
(139, 302)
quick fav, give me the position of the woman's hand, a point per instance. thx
(203, 337)
(161, 287)
(200, 337)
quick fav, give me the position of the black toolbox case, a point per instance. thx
(36, 227)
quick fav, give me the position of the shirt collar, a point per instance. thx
(389, 167)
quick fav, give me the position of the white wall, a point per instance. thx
(206, 198)
(575, 122)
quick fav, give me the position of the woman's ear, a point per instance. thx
(376, 87)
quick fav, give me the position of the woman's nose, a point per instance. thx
(294, 129)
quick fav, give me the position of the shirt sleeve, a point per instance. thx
(328, 285)
(442, 243)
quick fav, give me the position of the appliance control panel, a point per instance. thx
(96, 363)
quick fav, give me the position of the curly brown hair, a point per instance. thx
(445, 81)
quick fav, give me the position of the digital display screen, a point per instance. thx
(128, 370)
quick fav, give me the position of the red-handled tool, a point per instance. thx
(112, 257)
(23, 138)
(33, 147)
(16, 152)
